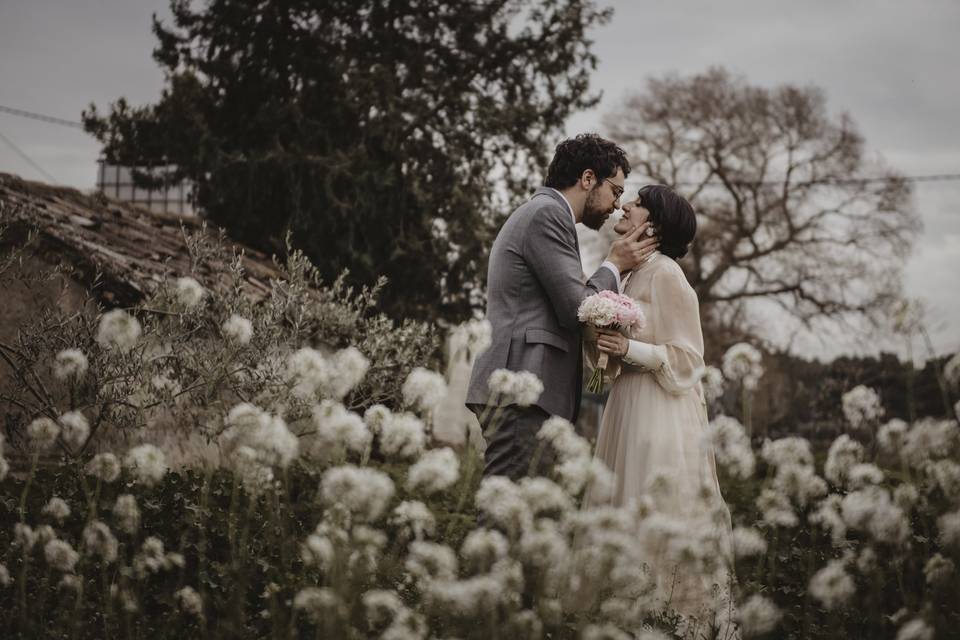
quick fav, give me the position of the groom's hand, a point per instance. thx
(632, 248)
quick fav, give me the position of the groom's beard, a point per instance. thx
(593, 216)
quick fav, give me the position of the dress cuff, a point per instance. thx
(616, 272)
(646, 355)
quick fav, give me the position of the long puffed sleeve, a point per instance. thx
(676, 326)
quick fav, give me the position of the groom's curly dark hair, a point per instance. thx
(573, 156)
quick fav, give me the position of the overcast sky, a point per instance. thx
(890, 64)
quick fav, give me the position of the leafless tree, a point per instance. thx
(790, 208)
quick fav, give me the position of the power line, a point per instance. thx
(26, 158)
(937, 177)
(39, 116)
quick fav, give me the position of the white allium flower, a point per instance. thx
(731, 446)
(476, 597)
(408, 625)
(905, 496)
(381, 606)
(712, 381)
(375, 417)
(45, 533)
(99, 541)
(268, 436)
(832, 585)
(70, 363)
(951, 371)
(472, 337)
(916, 629)
(350, 366)
(424, 389)
(127, 514)
(402, 436)
(24, 536)
(864, 474)
(890, 435)
(309, 371)
(521, 387)
(938, 570)
(190, 602)
(317, 551)
(843, 454)
(104, 466)
(501, 500)
(743, 362)
(254, 475)
(606, 631)
(949, 527)
(861, 407)
(776, 509)
(188, 292)
(60, 555)
(544, 496)
(431, 561)
(436, 470)
(946, 473)
(785, 451)
(57, 508)
(238, 329)
(482, 548)
(364, 492)
(152, 558)
(929, 439)
(146, 463)
(4, 576)
(414, 518)
(118, 330)
(575, 474)
(543, 545)
(339, 429)
(870, 509)
(74, 428)
(319, 604)
(747, 541)
(43, 433)
(758, 616)
(561, 435)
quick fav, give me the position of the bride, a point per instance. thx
(651, 431)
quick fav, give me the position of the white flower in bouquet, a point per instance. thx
(319, 604)
(43, 433)
(60, 555)
(431, 561)
(146, 463)
(70, 363)
(607, 309)
(743, 363)
(747, 541)
(843, 454)
(74, 428)
(832, 585)
(118, 330)
(127, 514)
(189, 601)
(861, 407)
(731, 446)
(104, 466)
(363, 492)
(544, 496)
(57, 508)
(938, 570)
(402, 436)
(712, 381)
(915, 629)
(436, 470)
(238, 329)
(188, 293)
(890, 435)
(424, 389)
(482, 548)
(758, 616)
(337, 428)
(948, 526)
(414, 518)
(787, 451)
(99, 540)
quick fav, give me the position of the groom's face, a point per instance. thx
(602, 200)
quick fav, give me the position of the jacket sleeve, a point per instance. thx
(550, 248)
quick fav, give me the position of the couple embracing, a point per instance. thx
(651, 431)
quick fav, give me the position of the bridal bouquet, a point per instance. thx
(608, 310)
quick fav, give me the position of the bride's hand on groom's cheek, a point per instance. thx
(611, 342)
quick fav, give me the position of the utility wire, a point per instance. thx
(39, 116)
(27, 158)
(938, 177)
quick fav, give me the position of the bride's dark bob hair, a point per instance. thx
(672, 217)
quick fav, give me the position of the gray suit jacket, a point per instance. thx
(534, 287)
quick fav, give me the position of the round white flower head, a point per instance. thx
(146, 463)
(104, 466)
(562, 437)
(309, 371)
(949, 527)
(776, 509)
(890, 435)
(60, 555)
(188, 292)
(608, 631)
(470, 339)
(381, 606)
(268, 436)
(190, 602)
(350, 366)
(375, 417)
(576, 474)
(24, 536)
(436, 470)
(731, 446)
(57, 508)
(758, 616)
(747, 541)
(938, 570)
(99, 540)
(402, 436)
(362, 491)
(951, 371)
(70, 363)
(543, 545)
(928, 439)
(43, 433)
(787, 451)
(905, 496)
(431, 561)
(544, 496)
(317, 551)
(844, 453)
(414, 518)
(45, 533)
(519, 387)
(238, 329)
(743, 362)
(827, 515)
(319, 604)
(502, 502)
(915, 629)
(338, 429)
(712, 381)
(482, 548)
(127, 514)
(424, 389)
(74, 428)
(861, 407)
(863, 474)
(118, 330)
(832, 585)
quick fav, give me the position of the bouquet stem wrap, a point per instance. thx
(595, 384)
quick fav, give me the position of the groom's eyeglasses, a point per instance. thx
(617, 189)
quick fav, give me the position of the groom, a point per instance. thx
(535, 284)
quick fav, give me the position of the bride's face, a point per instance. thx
(633, 215)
